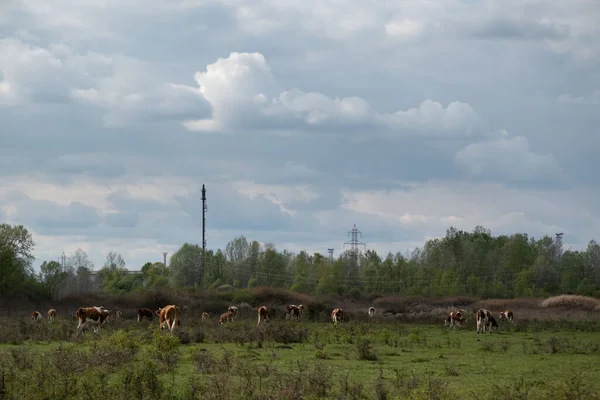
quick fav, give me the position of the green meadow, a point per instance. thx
(289, 359)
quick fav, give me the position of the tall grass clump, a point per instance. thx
(571, 301)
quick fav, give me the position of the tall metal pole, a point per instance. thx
(203, 219)
(204, 209)
(330, 256)
(165, 258)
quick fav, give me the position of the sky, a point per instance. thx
(301, 118)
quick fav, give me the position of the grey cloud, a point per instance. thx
(525, 29)
(47, 217)
(229, 210)
(508, 159)
(122, 219)
(511, 84)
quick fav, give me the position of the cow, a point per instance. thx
(91, 316)
(454, 318)
(36, 316)
(371, 312)
(508, 315)
(119, 315)
(144, 312)
(51, 314)
(294, 310)
(485, 321)
(337, 315)
(233, 310)
(169, 316)
(226, 316)
(263, 315)
(204, 316)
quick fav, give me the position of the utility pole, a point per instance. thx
(165, 258)
(204, 209)
(330, 256)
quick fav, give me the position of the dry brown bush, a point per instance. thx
(571, 301)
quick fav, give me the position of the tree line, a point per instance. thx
(473, 263)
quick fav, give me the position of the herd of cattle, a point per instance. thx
(170, 316)
(484, 318)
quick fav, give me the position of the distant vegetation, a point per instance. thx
(474, 264)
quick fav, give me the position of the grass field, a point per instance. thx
(288, 359)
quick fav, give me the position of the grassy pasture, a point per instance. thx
(384, 358)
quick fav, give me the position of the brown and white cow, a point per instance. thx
(204, 316)
(233, 310)
(36, 316)
(485, 321)
(169, 316)
(226, 316)
(51, 314)
(337, 315)
(371, 312)
(293, 310)
(508, 315)
(263, 315)
(91, 316)
(144, 313)
(454, 318)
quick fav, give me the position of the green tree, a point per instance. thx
(52, 277)
(155, 275)
(186, 266)
(16, 246)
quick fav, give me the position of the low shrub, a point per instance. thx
(571, 301)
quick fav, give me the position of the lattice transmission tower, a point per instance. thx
(355, 244)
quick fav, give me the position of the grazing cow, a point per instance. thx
(233, 310)
(36, 316)
(144, 312)
(337, 315)
(371, 312)
(263, 315)
(454, 318)
(226, 316)
(485, 321)
(91, 316)
(51, 314)
(169, 316)
(508, 315)
(119, 315)
(294, 310)
(204, 316)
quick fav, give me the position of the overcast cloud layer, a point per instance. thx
(302, 118)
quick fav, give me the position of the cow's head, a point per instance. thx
(493, 322)
(158, 311)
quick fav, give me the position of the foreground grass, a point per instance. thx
(301, 360)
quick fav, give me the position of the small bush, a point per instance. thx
(365, 350)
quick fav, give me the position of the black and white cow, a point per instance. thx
(485, 321)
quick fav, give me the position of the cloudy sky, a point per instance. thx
(302, 118)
